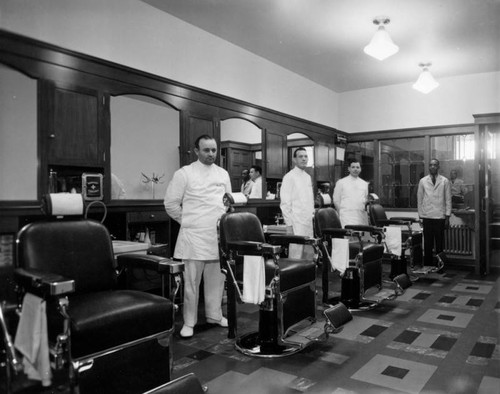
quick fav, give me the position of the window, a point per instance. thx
(401, 167)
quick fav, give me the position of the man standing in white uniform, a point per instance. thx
(194, 199)
(297, 201)
(256, 176)
(350, 196)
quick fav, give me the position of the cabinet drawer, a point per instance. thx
(147, 217)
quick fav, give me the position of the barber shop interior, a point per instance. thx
(252, 197)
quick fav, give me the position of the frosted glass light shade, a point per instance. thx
(381, 45)
(425, 82)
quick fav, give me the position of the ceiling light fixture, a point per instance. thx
(425, 82)
(381, 45)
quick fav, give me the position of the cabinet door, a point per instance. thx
(276, 155)
(191, 128)
(73, 127)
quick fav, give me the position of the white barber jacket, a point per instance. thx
(434, 201)
(349, 197)
(297, 201)
(194, 199)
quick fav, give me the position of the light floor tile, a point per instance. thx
(475, 288)
(417, 374)
(449, 318)
(352, 331)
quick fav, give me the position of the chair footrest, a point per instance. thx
(382, 295)
(426, 269)
(312, 333)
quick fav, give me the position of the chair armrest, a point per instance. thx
(44, 283)
(406, 219)
(387, 222)
(369, 229)
(283, 239)
(149, 261)
(251, 247)
(336, 231)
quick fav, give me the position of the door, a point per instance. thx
(487, 177)
(191, 128)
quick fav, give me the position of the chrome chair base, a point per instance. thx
(249, 344)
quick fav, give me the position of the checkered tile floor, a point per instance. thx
(441, 336)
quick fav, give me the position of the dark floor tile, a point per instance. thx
(200, 355)
(447, 299)
(446, 317)
(407, 336)
(395, 372)
(475, 302)
(374, 331)
(443, 343)
(482, 349)
(421, 296)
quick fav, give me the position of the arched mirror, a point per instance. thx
(241, 148)
(144, 147)
(18, 136)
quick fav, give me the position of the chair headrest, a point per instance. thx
(373, 198)
(63, 204)
(234, 199)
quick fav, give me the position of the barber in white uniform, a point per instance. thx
(297, 202)
(350, 196)
(194, 199)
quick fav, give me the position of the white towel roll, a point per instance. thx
(62, 204)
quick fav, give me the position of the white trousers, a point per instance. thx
(213, 281)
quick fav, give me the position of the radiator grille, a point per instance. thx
(458, 240)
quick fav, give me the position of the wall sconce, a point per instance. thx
(425, 82)
(381, 45)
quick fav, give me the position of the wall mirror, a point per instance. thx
(18, 136)
(241, 147)
(144, 147)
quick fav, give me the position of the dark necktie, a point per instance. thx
(433, 180)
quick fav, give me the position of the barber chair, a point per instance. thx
(287, 306)
(100, 338)
(362, 281)
(411, 241)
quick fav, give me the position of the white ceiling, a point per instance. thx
(323, 40)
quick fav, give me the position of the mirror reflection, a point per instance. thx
(241, 155)
(144, 147)
(18, 135)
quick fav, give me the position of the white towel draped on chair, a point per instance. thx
(340, 254)
(254, 279)
(393, 239)
(31, 339)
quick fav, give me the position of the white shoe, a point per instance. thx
(186, 332)
(222, 322)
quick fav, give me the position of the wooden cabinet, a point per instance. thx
(276, 155)
(73, 136)
(73, 133)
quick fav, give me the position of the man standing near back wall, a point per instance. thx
(297, 202)
(434, 208)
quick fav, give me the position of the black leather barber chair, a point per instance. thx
(100, 338)
(411, 241)
(287, 307)
(361, 282)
